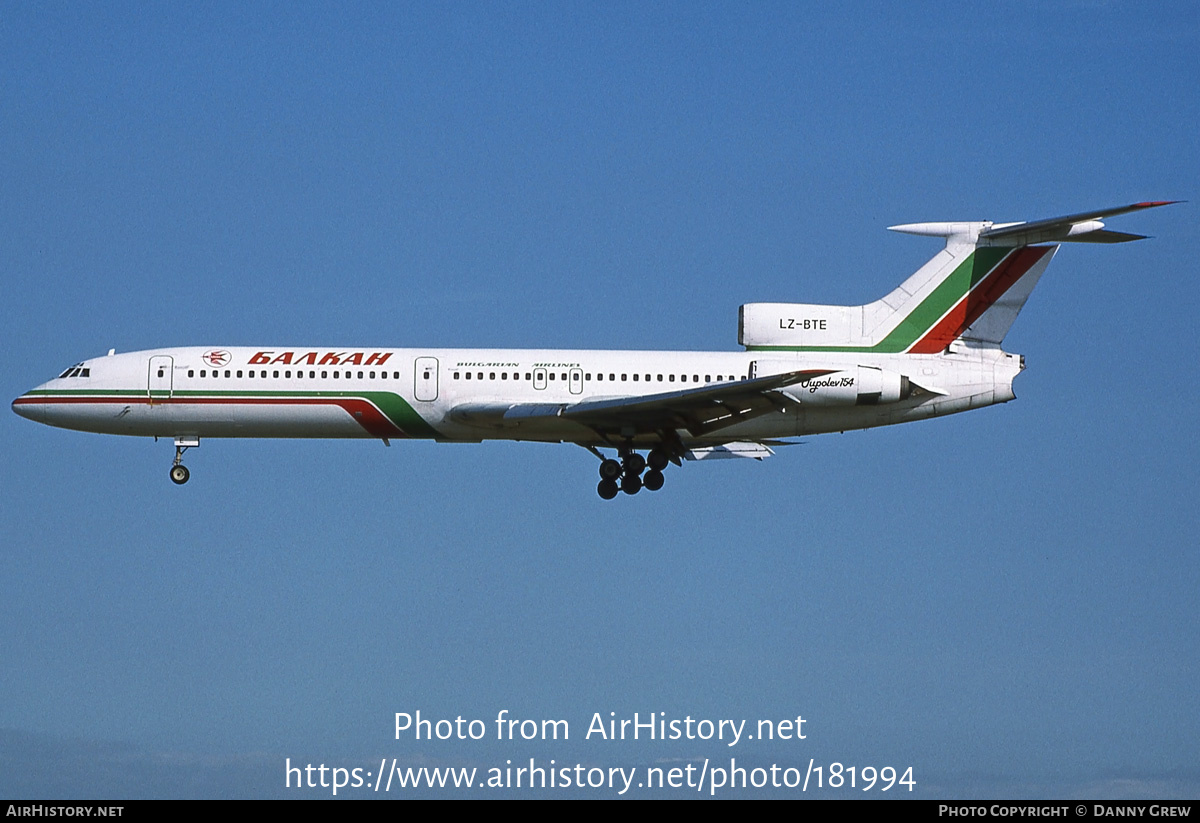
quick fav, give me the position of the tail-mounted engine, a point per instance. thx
(858, 386)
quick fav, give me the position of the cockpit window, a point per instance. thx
(76, 371)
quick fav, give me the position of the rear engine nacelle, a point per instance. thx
(860, 386)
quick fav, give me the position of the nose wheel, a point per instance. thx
(179, 472)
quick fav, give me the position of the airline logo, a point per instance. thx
(316, 358)
(218, 357)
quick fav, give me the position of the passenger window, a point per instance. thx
(468, 375)
(227, 373)
(160, 372)
(191, 372)
(204, 372)
(670, 378)
(239, 372)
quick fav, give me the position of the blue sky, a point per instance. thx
(1004, 600)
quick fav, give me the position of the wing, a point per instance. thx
(700, 411)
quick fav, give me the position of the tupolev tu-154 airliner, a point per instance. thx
(931, 347)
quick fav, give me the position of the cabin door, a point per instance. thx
(425, 385)
(160, 377)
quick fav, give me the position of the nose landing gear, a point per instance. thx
(179, 472)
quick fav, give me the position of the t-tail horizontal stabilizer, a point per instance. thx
(1073, 228)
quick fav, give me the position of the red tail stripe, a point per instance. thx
(979, 299)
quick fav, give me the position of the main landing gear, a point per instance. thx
(179, 472)
(626, 475)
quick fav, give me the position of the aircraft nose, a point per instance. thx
(30, 407)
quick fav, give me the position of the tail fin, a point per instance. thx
(975, 293)
(972, 289)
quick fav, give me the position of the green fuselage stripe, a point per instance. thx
(393, 406)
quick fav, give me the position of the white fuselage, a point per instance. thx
(930, 347)
(391, 393)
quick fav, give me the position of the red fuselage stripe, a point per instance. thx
(363, 412)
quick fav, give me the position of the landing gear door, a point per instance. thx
(160, 380)
(425, 384)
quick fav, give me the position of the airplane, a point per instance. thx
(931, 347)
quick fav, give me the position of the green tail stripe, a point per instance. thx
(921, 319)
(942, 299)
